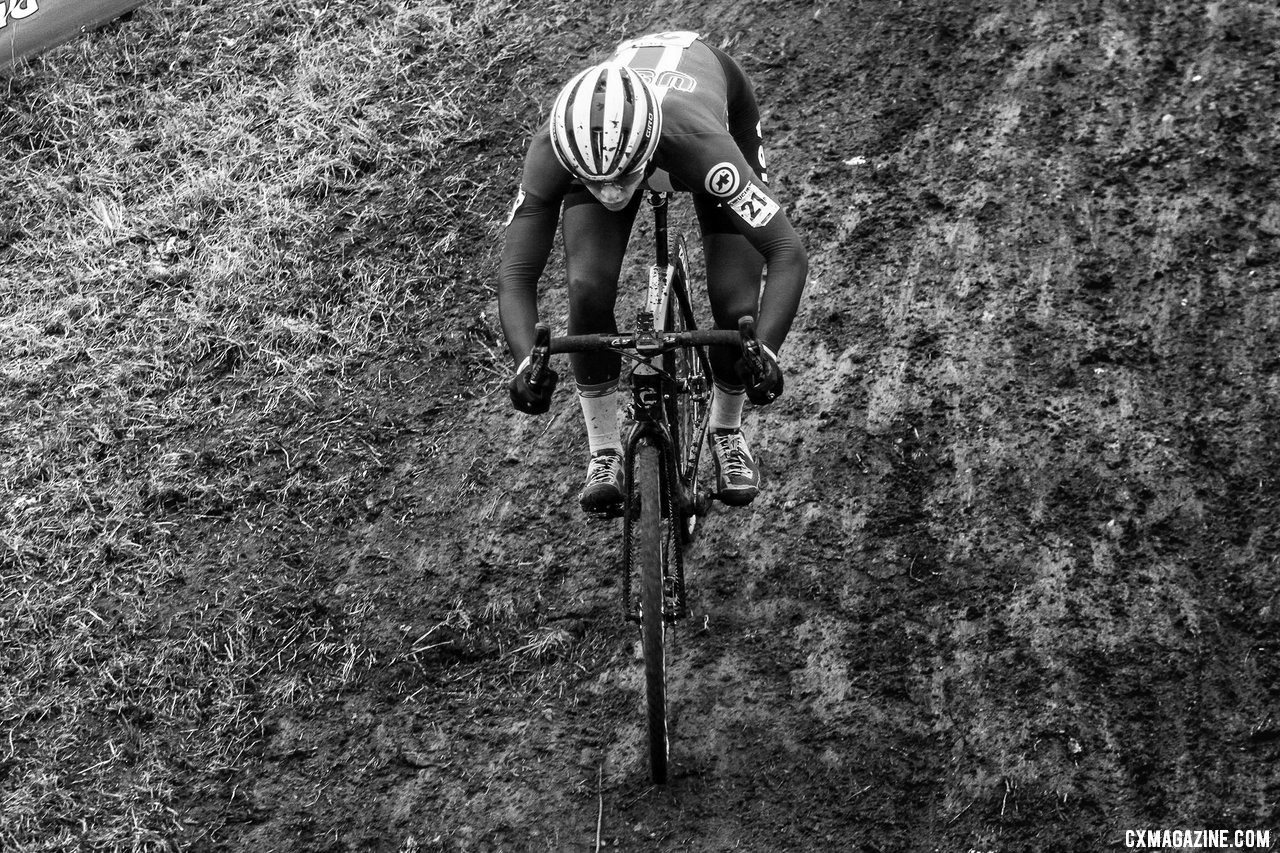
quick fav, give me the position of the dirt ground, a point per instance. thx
(1014, 583)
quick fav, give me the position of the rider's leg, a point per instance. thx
(734, 271)
(595, 240)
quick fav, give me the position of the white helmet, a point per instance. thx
(605, 123)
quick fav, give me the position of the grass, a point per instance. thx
(226, 238)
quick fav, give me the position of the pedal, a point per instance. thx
(607, 514)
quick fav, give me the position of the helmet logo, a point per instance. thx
(723, 180)
(605, 123)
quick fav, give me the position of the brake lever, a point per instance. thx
(540, 357)
(751, 352)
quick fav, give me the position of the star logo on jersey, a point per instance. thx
(723, 180)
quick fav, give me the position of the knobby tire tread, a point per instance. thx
(649, 552)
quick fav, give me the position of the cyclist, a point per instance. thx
(672, 102)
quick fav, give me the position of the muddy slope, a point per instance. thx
(1014, 582)
(1013, 585)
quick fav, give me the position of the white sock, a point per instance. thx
(600, 410)
(726, 408)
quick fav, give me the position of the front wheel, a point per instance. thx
(689, 403)
(650, 560)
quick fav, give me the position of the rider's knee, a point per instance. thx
(727, 309)
(589, 299)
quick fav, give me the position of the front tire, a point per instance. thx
(649, 559)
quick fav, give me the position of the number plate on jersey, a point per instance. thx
(754, 205)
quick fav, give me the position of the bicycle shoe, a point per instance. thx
(603, 489)
(737, 474)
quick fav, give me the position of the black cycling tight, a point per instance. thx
(595, 240)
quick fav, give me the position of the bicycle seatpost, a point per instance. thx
(540, 357)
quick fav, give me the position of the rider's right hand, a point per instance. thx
(532, 395)
(758, 368)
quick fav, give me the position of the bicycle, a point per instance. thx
(670, 381)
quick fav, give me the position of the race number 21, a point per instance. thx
(754, 205)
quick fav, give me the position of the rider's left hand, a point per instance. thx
(530, 397)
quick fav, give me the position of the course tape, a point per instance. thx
(28, 27)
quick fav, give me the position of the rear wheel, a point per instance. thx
(650, 558)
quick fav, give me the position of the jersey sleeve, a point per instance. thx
(530, 234)
(712, 165)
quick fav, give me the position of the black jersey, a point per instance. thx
(710, 146)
